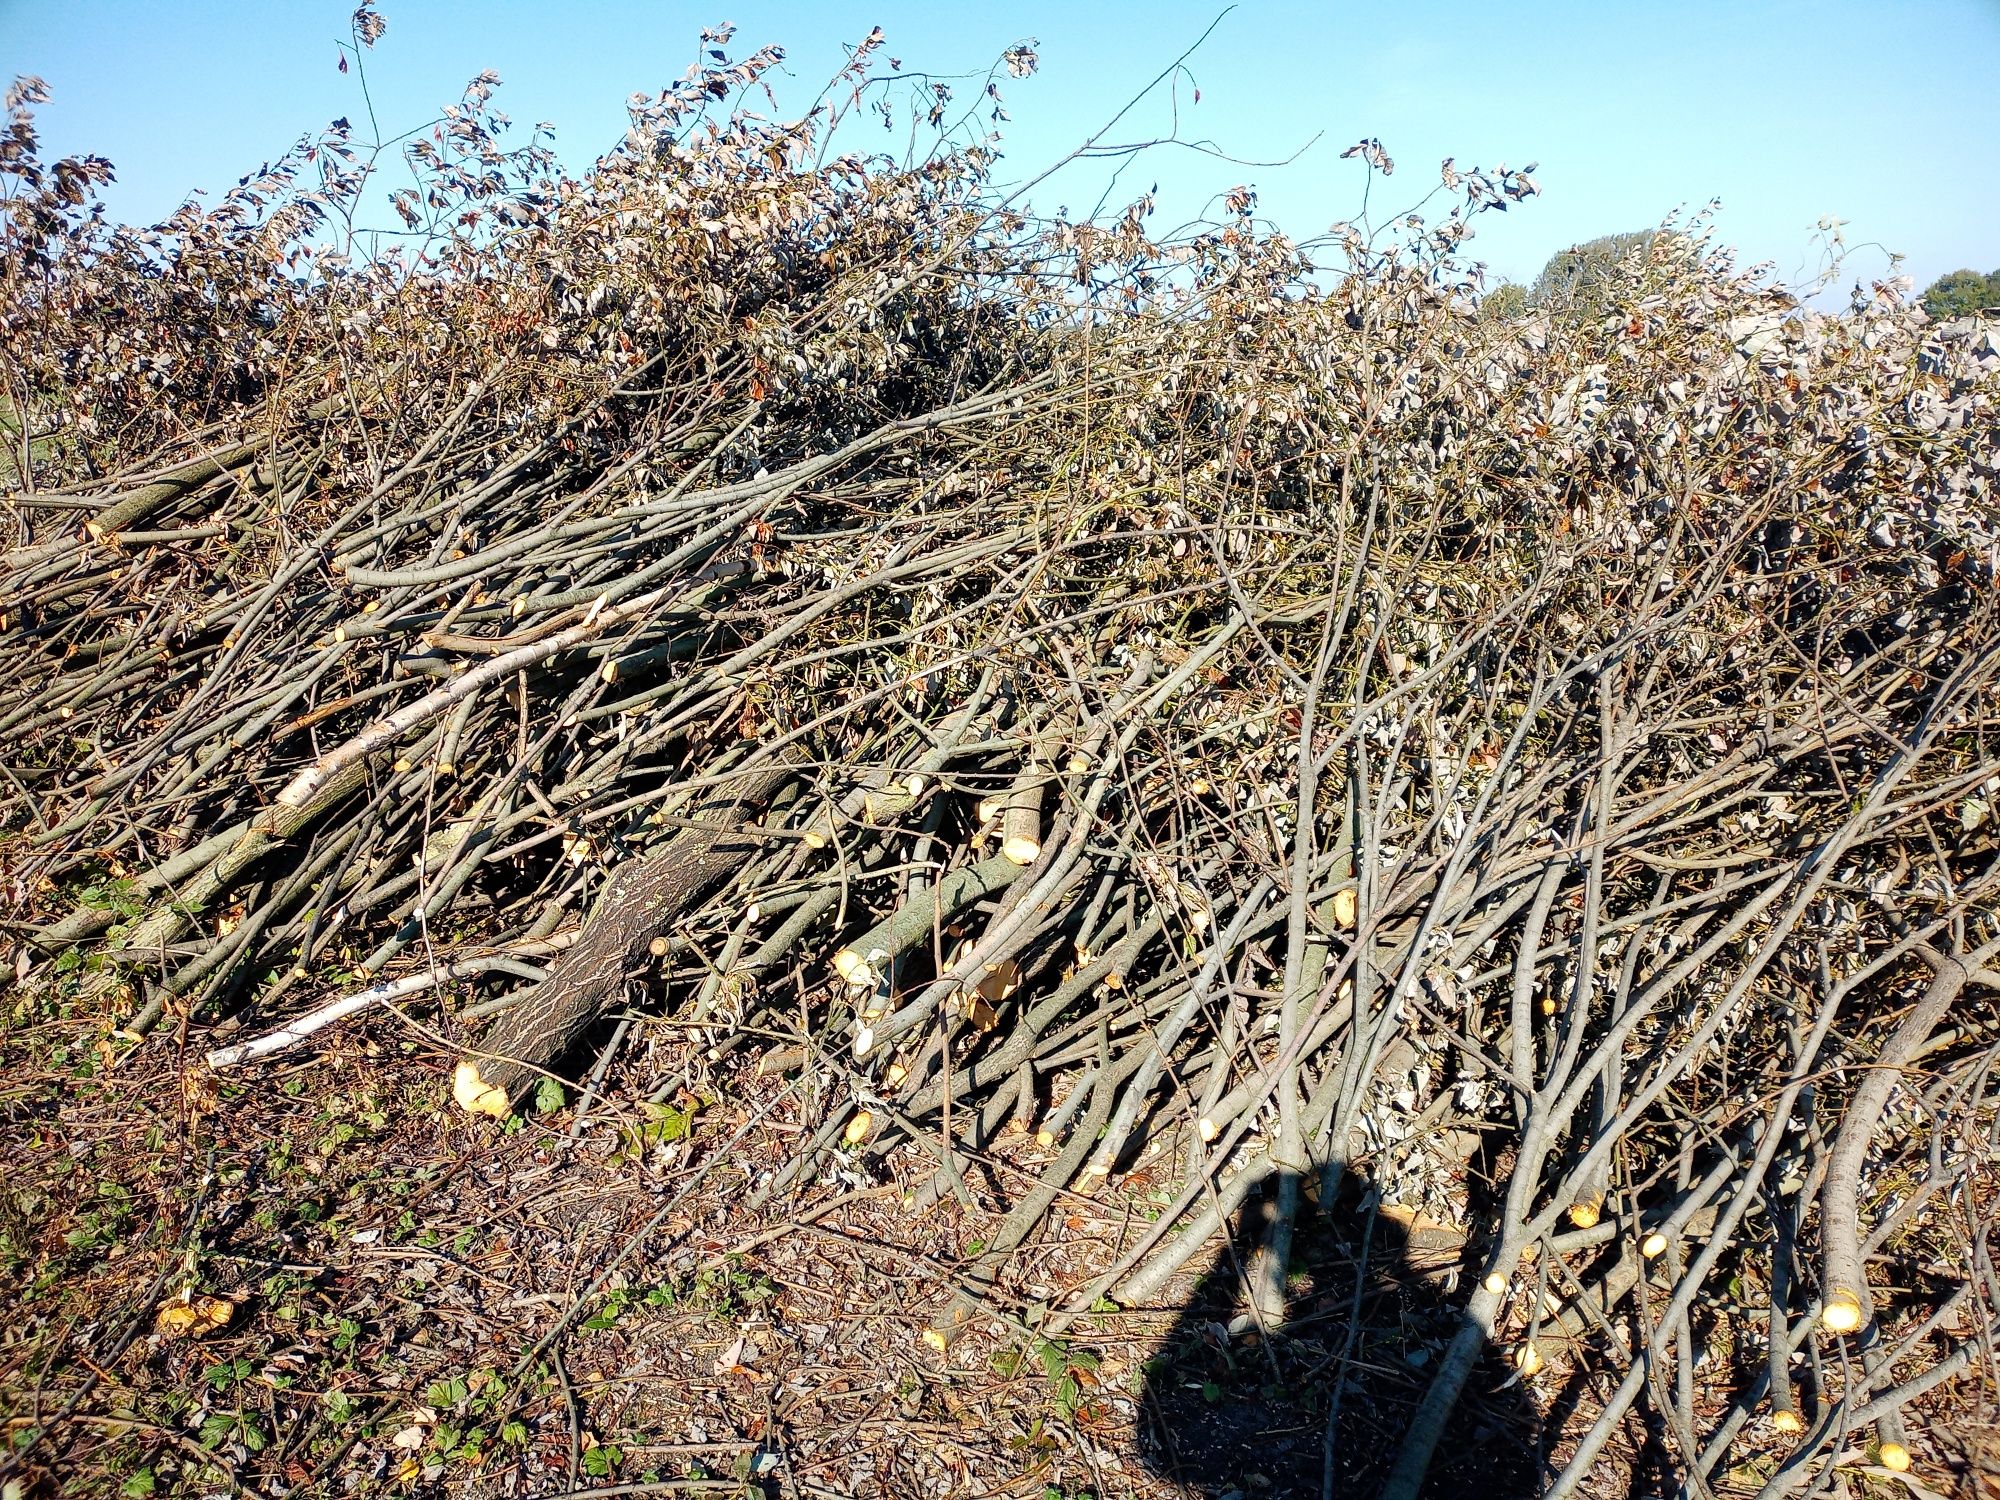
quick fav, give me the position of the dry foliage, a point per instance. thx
(1033, 676)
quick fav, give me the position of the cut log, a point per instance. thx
(642, 900)
(864, 961)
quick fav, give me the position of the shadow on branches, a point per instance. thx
(1227, 1415)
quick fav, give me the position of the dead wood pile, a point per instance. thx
(1135, 690)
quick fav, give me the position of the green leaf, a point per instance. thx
(548, 1098)
(663, 1125)
(613, 1309)
(228, 1373)
(140, 1483)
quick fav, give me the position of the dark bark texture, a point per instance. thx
(642, 900)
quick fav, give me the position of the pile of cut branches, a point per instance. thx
(1148, 693)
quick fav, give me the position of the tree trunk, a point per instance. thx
(643, 899)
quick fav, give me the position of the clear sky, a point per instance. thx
(1885, 113)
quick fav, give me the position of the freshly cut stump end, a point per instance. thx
(475, 1095)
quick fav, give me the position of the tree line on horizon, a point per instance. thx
(1579, 279)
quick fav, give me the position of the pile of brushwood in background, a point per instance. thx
(1149, 692)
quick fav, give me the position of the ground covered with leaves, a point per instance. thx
(390, 1278)
(750, 823)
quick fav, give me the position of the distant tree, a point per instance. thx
(1578, 280)
(1507, 300)
(1957, 293)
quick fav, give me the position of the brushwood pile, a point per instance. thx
(971, 677)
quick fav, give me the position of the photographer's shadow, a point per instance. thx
(1226, 1416)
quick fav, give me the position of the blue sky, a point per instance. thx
(1885, 114)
